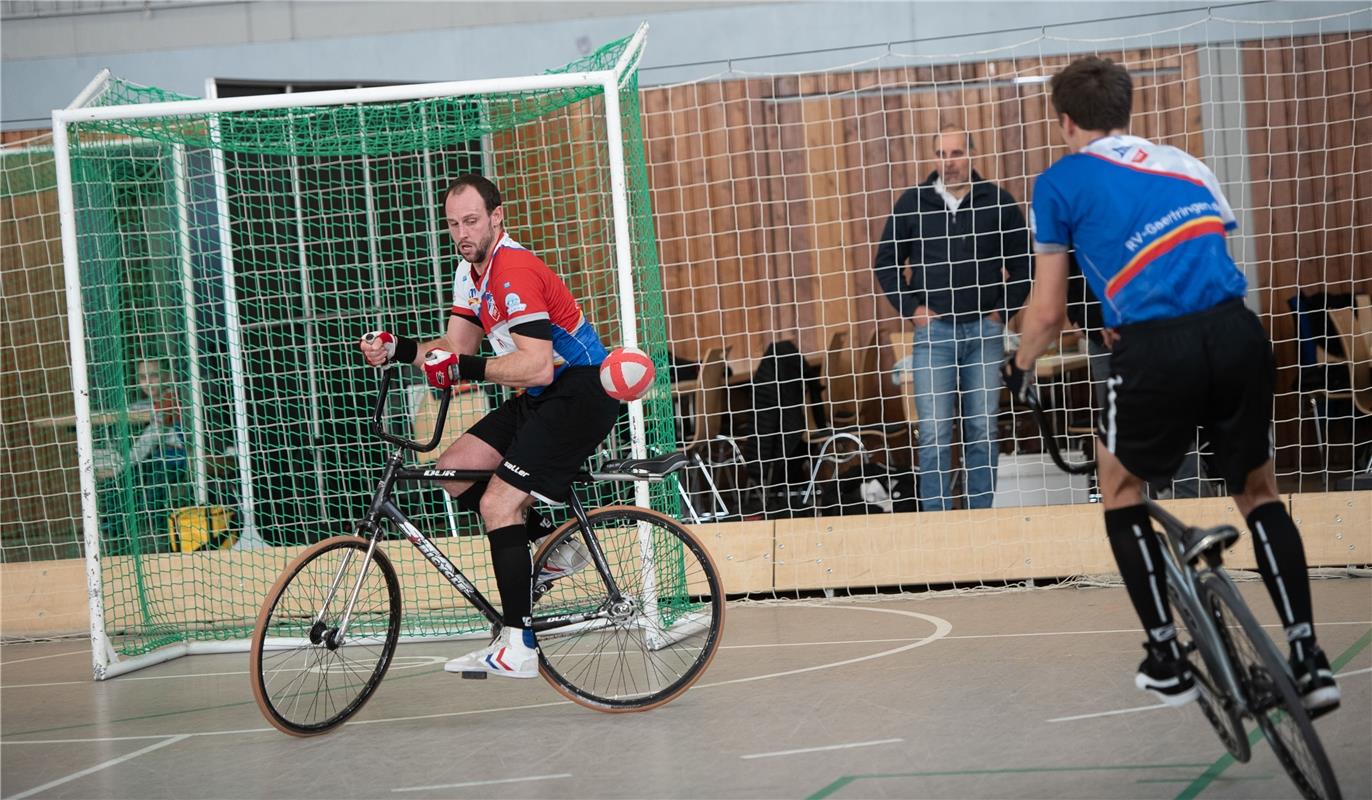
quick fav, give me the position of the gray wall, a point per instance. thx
(50, 53)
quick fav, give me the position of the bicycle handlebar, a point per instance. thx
(380, 430)
(1047, 433)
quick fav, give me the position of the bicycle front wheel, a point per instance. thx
(643, 646)
(1271, 694)
(305, 680)
(1219, 708)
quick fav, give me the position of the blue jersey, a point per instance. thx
(1147, 223)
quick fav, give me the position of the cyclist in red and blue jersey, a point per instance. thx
(537, 440)
(1147, 223)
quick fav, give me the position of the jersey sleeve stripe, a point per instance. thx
(522, 318)
(1136, 168)
(1201, 226)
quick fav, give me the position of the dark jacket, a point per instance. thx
(955, 258)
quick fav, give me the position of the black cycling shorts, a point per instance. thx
(545, 440)
(1214, 370)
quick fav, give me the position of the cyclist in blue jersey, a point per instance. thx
(1147, 223)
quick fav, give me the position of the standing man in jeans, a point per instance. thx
(965, 244)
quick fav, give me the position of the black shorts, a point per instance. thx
(1212, 370)
(546, 439)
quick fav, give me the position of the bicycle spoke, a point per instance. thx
(629, 658)
(309, 687)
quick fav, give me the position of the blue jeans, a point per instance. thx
(958, 364)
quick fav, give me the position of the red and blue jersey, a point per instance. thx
(518, 288)
(1147, 223)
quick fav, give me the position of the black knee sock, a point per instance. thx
(513, 573)
(1281, 562)
(1139, 556)
(537, 526)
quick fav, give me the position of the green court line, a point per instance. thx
(847, 779)
(1188, 780)
(142, 717)
(1212, 771)
(1226, 761)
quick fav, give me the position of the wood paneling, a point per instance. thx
(1308, 119)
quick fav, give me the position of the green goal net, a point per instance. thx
(232, 251)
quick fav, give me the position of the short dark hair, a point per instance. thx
(1095, 92)
(484, 187)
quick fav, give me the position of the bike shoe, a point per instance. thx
(569, 557)
(1166, 675)
(1315, 681)
(513, 654)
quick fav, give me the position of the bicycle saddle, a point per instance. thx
(641, 469)
(1199, 541)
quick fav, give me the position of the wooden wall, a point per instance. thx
(39, 492)
(770, 194)
(1308, 115)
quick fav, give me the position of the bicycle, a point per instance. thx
(1241, 673)
(629, 634)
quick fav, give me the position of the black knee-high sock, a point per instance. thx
(1281, 562)
(1139, 556)
(537, 526)
(513, 573)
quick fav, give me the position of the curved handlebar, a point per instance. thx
(1050, 442)
(380, 430)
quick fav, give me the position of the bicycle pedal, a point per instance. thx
(474, 675)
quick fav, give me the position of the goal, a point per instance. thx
(223, 256)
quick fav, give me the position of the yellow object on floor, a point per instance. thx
(200, 528)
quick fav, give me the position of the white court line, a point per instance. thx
(395, 666)
(105, 765)
(1164, 705)
(1113, 630)
(40, 658)
(819, 749)
(484, 783)
(721, 647)
(1109, 713)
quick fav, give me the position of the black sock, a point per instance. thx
(537, 526)
(1281, 562)
(513, 573)
(1139, 556)
(470, 499)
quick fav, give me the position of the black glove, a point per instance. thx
(1019, 381)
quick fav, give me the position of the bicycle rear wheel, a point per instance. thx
(646, 647)
(1271, 694)
(304, 682)
(1219, 708)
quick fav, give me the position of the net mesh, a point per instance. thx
(229, 263)
(769, 192)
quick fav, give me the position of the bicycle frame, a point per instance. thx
(383, 508)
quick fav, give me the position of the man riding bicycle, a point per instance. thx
(537, 440)
(1147, 224)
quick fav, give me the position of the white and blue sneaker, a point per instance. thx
(569, 557)
(513, 654)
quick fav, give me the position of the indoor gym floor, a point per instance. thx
(1016, 695)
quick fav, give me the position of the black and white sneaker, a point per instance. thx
(1166, 675)
(1314, 680)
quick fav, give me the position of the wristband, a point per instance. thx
(472, 368)
(405, 350)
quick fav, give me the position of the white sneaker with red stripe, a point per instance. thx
(569, 557)
(513, 654)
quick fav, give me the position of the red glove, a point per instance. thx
(440, 367)
(377, 344)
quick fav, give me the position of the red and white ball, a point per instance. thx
(627, 373)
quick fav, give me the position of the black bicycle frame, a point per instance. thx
(395, 471)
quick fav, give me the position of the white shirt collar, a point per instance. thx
(952, 202)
